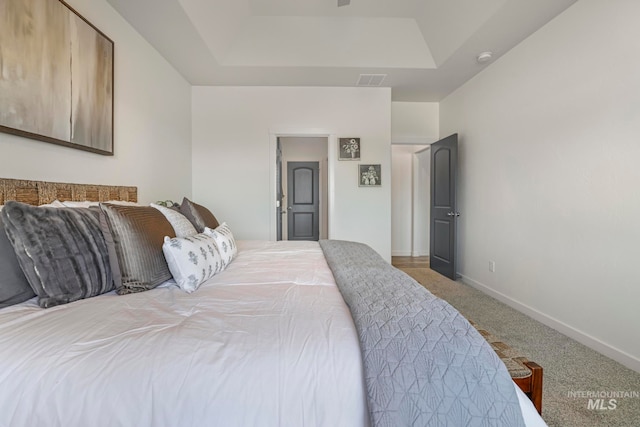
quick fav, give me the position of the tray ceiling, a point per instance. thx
(427, 48)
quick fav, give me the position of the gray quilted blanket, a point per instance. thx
(424, 364)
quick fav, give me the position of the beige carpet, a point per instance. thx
(569, 367)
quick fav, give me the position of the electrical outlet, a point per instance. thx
(492, 266)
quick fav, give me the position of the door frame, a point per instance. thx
(418, 187)
(332, 155)
(419, 229)
(279, 190)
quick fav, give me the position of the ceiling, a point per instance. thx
(426, 48)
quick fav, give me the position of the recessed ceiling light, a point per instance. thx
(484, 57)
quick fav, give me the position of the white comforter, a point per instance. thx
(267, 342)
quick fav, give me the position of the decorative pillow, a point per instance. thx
(113, 258)
(54, 204)
(88, 204)
(181, 225)
(61, 251)
(138, 234)
(85, 204)
(199, 216)
(192, 260)
(14, 287)
(225, 242)
(111, 247)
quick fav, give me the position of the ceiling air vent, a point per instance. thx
(370, 79)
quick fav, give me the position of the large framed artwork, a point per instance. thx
(56, 76)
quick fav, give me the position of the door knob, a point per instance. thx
(453, 213)
(289, 208)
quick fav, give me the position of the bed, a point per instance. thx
(269, 341)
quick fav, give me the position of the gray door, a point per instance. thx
(303, 207)
(442, 253)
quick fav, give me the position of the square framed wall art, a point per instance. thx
(369, 175)
(349, 148)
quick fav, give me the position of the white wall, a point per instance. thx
(310, 149)
(234, 130)
(549, 175)
(402, 200)
(414, 122)
(152, 124)
(421, 202)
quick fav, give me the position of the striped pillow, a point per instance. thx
(138, 234)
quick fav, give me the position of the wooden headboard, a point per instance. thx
(42, 192)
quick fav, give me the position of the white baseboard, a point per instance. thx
(614, 353)
(415, 254)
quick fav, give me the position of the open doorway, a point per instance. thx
(302, 188)
(410, 206)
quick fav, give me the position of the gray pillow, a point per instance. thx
(61, 251)
(14, 287)
(138, 234)
(111, 247)
(199, 216)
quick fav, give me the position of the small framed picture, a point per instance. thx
(369, 176)
(349, 148)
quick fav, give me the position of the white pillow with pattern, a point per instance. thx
(224, 241)
(192, 260)
(55, 204)
(181, 225)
